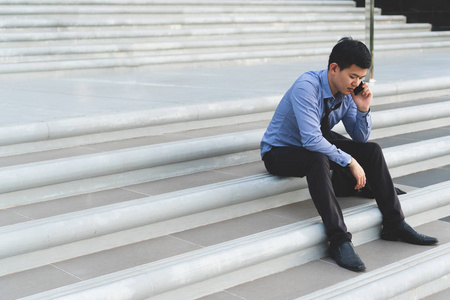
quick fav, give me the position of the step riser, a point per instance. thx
(90, 185)
(401, 116)
(140, 132)
(407, 128)
(89, 166)
(404, 120)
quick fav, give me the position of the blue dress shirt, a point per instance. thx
(296, 122)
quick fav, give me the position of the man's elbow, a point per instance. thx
(361, 137)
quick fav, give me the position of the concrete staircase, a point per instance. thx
(121, 212)
(62, 37)
(174, 203)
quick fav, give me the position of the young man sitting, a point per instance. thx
(298, 142)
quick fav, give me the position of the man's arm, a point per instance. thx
(357, 120)
(361, 130)
(308, 113)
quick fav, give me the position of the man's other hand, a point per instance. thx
(358, 173)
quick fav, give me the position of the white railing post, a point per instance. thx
(370, 4)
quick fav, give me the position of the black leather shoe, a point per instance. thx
(366, 192)
(346, 257)
(403, 232)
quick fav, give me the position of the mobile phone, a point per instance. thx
(359, 88)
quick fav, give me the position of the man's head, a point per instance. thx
(348, 65)
(348, 52)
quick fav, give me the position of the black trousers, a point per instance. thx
(300, 162)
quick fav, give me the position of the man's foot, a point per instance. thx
(367, 192)
(346, 257)
(403, 232)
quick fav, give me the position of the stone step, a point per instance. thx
(59, 255)
(416, 153)
(106, 203)
(96, 200)
(174, 9)
(241, 146)
(12, 23)
(422, 274)
(78, 158)
(167, 57)
(113, 219)
(190, 43)
(382, 260)
(55, 38)
(126, 35)
(91, 129)
(202, 58)
(217, 267)
(54, 53)
(18, 261)
(348, 3)
(57, 187)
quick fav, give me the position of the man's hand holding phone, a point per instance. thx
(362, 96)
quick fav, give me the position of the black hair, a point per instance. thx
(348, 52)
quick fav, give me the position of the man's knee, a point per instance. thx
(374, 148)
(318, 176)
(374, 145)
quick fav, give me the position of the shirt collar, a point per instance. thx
(326, 90)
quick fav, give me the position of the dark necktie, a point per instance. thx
(325, 123)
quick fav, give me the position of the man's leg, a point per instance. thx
(370, 157)
(299, 162)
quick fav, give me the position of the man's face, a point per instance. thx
(345, 81)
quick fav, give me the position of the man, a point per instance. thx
(298, 142)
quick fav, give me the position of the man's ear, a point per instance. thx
(334, 68)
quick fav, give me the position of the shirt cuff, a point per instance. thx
(363, 114)
(366, 118)
(344, 158)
